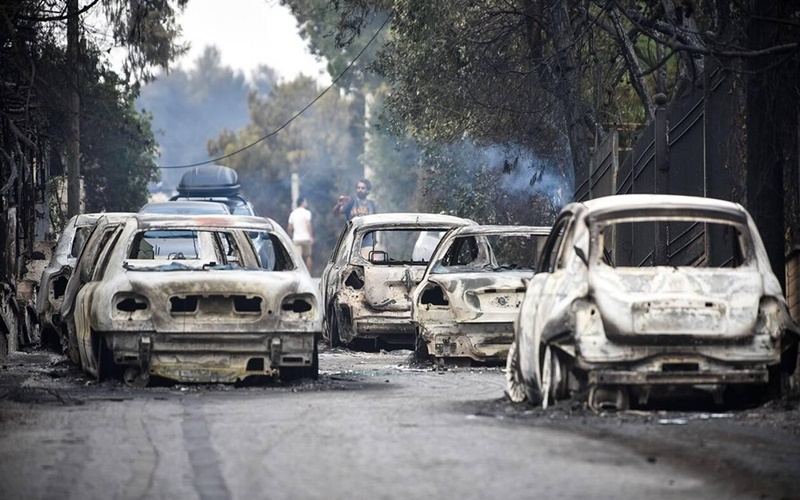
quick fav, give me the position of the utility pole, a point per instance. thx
(73, 140)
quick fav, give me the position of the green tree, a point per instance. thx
(543, 73)
(118, 143)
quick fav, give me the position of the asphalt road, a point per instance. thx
(373, 426)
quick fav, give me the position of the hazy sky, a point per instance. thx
(248, 33)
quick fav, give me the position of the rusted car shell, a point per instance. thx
(198, 321)
(379, 304)
(475, 315)
(55, 276)
(651, 326)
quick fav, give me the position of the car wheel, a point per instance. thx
(547, 370)
(333, 330)
(561, 375)
(70, 342)
(515, 384)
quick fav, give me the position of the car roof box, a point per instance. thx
(209, 180)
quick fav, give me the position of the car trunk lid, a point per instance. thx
(388, 288)
(677, 302)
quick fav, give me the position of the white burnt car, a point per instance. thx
(613, 311)
(187, 298)
(467, 300)
(53, 283)
(372, 271)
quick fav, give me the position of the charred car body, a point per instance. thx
(615, 312)
(187, 298)
(53, 283)
(369, 278)
(467, 300)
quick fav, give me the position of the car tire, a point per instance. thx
(516, 389)
(547, 370)
(333, 330)
(70, 343)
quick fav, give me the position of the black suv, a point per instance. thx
(214, 183)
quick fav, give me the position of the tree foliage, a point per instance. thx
(118, 149)
(538, 71)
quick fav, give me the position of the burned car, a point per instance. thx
(187, 298)
(368, 280)
(637, 295)
(467, 300)
(53, 283)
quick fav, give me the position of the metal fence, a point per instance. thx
(696, 161)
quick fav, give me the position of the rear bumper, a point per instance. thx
(478, 341)
(359, 323)
(721, 377)
(211, 357)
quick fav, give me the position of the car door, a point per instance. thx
(328, 282)
(91, 276)
(542, 293)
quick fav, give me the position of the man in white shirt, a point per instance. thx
(300, 230)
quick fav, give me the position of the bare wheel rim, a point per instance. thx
(557, 388)
(514, 387)
(547, 375)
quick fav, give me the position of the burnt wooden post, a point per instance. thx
(661, 134)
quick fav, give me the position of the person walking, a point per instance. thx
(301, 231)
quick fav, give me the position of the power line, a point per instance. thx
(290, 120)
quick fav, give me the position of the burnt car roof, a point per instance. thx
(635, 204)
(91, 219)
(244, 222)
(500, 229)
(403, 219)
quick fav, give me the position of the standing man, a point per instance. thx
(358, 205)
(300, 230)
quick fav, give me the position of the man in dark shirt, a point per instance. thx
(354, 206)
